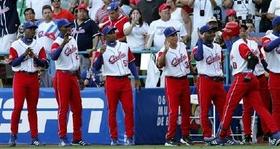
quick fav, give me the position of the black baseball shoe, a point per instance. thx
(247, 140)
(275, 139)
(129, 141)
(114, 142)
(35, 142)
(186, 141)
(79, 143)
(171, 142)
(12, 141)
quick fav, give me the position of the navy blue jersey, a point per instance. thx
(83, 33)
(9, 20)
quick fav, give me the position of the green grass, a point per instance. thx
(198, 146)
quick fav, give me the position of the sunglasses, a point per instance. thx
(56, 1)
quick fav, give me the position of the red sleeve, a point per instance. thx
(130, 56)
(244, 50)
(265, 41)
(54, 46)
(132, 2)
(42, 54)
(95, 55)
(13, 54)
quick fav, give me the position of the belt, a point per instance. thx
(177, 78)
(260, 76)
(29, 73)
(119, 77)
(68, 72)
(214, 78)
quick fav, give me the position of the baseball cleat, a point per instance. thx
(129, 141)
(12, 141)
(35, 141)
(186, 141)
(247, 140)
(64, 142)
(171, 142)
(114, 142)
(208, 140)
(275, 139)
(79, 143)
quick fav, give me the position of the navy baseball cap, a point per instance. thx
(276, 21)
(207, 28)
(113, 6)
(169, 31)
(29, 25)
(107, 29)
(63, 23)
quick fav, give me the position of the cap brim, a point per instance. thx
(32, 27)
(175, 32)
(67, 25)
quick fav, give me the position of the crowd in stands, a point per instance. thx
(140, 23)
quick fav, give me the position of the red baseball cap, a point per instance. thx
(82, 6)
(230, 12)
(163, 7)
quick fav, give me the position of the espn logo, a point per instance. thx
(47, 110)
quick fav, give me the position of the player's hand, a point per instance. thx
(28, 52)
(199, 34)
(138, 84)
(66, 39)
(103, 49)
(166, 45)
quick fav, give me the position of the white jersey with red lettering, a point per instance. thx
(253, 45)
(176, 61)
(238, 63)
(116, 60)
(19, 47)
(47, 32)
(273, 57)
(211, 64)
(68, 58)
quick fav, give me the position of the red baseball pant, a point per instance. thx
(248, 109)
(177, 91)
(250, 91)
(25, 86)
(67, 93)
(119, 89)
(210, 90)
(274, 87)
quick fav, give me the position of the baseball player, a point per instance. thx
(26, 55)
(173, 58)
(271, 44)
(245, 85)
(65, 54)
(118, 63)
(208, 56)
(259, 72)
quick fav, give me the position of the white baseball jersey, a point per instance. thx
(176, 61)
(211, 64)
(18, 48)
(273, 57)
(47, 33)
(238, 63)
(68, 58)
(244, 8)
(116, 60)
(253, 45)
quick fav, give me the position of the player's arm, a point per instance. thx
(56, 49)
(132, 65)
(263, 61)
(16, 60)
(269, 45)
(41, 60)
(198, 51)
(99, 61)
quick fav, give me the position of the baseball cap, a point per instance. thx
(207, 28)
(113, 6)
(82, 6)
(163, 7)
(107, 29)
(169, 31)
(230, 12)
(63, 23)
(29, 25)
(212, 19)
(276, 21)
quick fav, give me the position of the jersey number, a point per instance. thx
(234, 65)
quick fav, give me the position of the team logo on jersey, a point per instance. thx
(212, 59)
(70, 49)
(114, 58)
(177, 61)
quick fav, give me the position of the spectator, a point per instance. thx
(155, 33)
(149, 9)
(9, 24)
(29, 15)
(245, 9)
(274, 9)
(261, 11)
(83, 31)
(61, 13)
(102, 13)
(226, 5)
(37, 6)
(136, 34)
(180, 15)
(202, 11)
(47, 32)
(94, 6)
(115, 19)
(231, 15)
